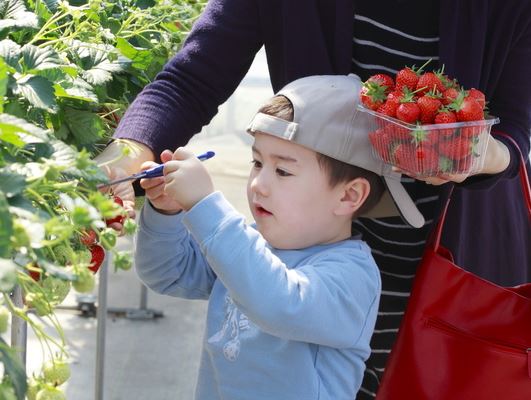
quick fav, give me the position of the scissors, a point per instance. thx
(150, 173)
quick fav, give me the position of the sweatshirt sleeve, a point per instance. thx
(167, 259)
(331, 299)
(204, 73)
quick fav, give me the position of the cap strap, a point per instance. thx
(273, 126)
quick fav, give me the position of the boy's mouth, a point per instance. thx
(261, 211)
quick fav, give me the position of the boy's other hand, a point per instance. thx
(154, 188)
(186, 179)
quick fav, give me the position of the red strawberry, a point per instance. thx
(449, 95)
(407, 77)
(119, 218)
(382, 141)
(88, 237)
(429, 105)
(455, 149)
(383, 80)
(429, 81)
(421, 160)
(388, 108)
(478, 96)
(469, 110)
(97, 255)
(445, 117)
(408, 112)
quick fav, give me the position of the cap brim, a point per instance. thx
(405, 205)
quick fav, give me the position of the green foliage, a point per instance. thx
(68, 71)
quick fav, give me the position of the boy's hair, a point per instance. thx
(338, 171)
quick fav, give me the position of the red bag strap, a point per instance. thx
(524, 180)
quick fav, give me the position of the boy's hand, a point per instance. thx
(154, 188)
(187, 180)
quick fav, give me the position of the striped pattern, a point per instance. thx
(385, 40)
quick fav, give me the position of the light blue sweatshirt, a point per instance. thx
(281, 324)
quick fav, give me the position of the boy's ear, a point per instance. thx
(355, 192)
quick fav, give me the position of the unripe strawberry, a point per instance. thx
(33, 388)
(50, 393)
(84, 256)
(63, 254)
(85, 281)
(40, 303)
(56, 372)
(5, 315)
(56, 288)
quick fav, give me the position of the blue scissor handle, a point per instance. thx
(159, 169)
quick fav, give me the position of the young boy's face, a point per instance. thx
(290, 198)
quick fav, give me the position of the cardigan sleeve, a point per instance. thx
(186, 94)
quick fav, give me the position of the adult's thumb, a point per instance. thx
(166, 155)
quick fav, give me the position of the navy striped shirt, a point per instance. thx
(386, 39)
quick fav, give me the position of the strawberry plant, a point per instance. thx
(68, 70)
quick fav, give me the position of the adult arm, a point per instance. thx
(330, 299)
(203, 74)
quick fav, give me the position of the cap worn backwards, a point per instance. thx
(326, 119)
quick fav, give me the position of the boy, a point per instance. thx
(292, 300)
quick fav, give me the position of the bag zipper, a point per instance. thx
(504, 346)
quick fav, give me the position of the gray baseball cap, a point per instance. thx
(326, 119)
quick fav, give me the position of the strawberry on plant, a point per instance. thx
(85, 281)
(119, 218)
(56, 372)
(56, 289)
(88, 237)
(39, 302)
(108, 238)
(123, 261)
(50, 393)
(63, 254)
(34, 386)
(129, 226)
(97, 257)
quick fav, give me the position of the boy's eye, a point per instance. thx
(281, 172)
(256, 164)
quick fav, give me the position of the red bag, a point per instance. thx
(462, 337)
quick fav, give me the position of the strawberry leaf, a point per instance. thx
(13, 14)
(6, 230)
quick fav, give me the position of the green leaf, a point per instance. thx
(140, 58)
(10, 52)
(36, 58)
(6, 229)
(76, 89)
(99, 61)
(26, 132)
(14, 369)
(86, 127)
(13, 14)
(38, 91)
(11, 182)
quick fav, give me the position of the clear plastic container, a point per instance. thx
(430, 150)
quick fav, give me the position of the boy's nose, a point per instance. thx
(259, 184)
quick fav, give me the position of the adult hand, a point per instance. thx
(154, 188)
(497, 159)
(119, 159)
(186, 179)
(124, 191)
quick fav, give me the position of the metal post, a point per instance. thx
(101, 320)
(143, 297)
(19, 328)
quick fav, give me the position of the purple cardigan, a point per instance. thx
(484, 44)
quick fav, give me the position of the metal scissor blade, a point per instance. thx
(117, 181)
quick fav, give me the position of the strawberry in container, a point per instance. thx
(425, 123)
